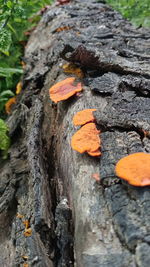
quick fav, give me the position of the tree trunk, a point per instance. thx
(52, 213)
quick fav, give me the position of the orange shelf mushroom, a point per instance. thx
(84, 116)
(87, 139)
(64, 89)
(135, 169)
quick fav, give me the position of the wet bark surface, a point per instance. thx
(46, 188)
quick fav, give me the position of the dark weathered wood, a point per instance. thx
(76, 221)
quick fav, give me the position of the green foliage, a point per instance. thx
(4, 96)
(5, 40)
(4, 139)
(136, 11)
(16, 17)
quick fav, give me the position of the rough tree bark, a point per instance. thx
(74, 220)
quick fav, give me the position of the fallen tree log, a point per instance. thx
(52, 213)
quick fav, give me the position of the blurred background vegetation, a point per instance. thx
(17, 20)
(138, 12)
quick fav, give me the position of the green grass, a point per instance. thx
(138, 12)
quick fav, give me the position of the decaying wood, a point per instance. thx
(76, 221)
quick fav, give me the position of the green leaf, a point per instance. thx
(2, 100)
(4, 138)
(12, 29)
(7, 93)
(6, 72)
(9, 4)
(6, 53)
(17, 20)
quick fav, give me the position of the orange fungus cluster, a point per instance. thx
(86, 139)
(64, 89)
(135, 169)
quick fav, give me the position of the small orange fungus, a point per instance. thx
(26, 224)
(84, 116)
(86, 139)
(19, 216)
(78, 33)
(64, 28)
(23, 64)
(25, 265)
(146, 133)
(18, 88)
(96, 177)
(73, 69)
(28, 232)
(135, 169)
(9, 104)
(25, 257)
(64, 89)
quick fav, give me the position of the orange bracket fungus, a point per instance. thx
(9, 104)
(64, 89)
(86, 139)
(135, 169)
(83, 117)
